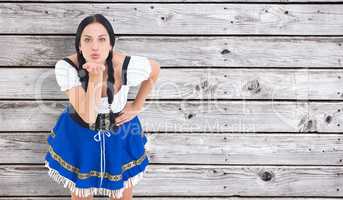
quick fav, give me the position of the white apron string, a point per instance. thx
(100, 137)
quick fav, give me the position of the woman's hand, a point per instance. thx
(129, 112)
(94, 68)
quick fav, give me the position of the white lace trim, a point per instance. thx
(85, 192)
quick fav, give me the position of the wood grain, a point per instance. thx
(201, 180)
(205, 52)
(201, 84)
(203, 148)
(178, 18)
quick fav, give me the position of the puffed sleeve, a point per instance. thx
(66, 75)
(138, 70)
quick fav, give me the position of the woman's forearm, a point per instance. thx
(93, 97)
(143, 92)
(147, 85)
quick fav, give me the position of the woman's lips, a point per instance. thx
(95, 56)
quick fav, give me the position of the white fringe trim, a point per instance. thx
(85, 192)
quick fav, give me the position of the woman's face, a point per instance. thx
(95, 43)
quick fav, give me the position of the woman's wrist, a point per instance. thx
(138, 105)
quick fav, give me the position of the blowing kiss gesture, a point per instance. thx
(130, 110)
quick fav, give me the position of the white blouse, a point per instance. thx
(138, 70)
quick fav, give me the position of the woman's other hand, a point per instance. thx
(129, 112)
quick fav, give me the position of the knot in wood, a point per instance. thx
(225, 51)
(254, 86)
(266, 176)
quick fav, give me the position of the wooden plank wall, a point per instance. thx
(248, 104)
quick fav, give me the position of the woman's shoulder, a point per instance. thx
(138, 70)
(66, 75)
(119, 57)
(73, 59)
(139, 67)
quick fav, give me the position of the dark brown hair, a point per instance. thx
(84, 76)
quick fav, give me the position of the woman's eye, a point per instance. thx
(102, 39)
(86, 39)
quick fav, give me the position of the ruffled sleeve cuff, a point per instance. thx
(66, 75)
(138, 70)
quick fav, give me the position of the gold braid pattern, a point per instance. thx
(80, 175)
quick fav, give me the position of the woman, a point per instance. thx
(97, 145)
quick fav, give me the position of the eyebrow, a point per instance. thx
(91, 36)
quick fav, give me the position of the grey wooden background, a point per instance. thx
(248, 104)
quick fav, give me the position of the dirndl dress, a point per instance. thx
(90, 162)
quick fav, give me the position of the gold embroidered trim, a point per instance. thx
(93, 172)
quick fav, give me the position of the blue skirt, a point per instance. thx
(89, 162)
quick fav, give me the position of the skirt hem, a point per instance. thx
(85, 192)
